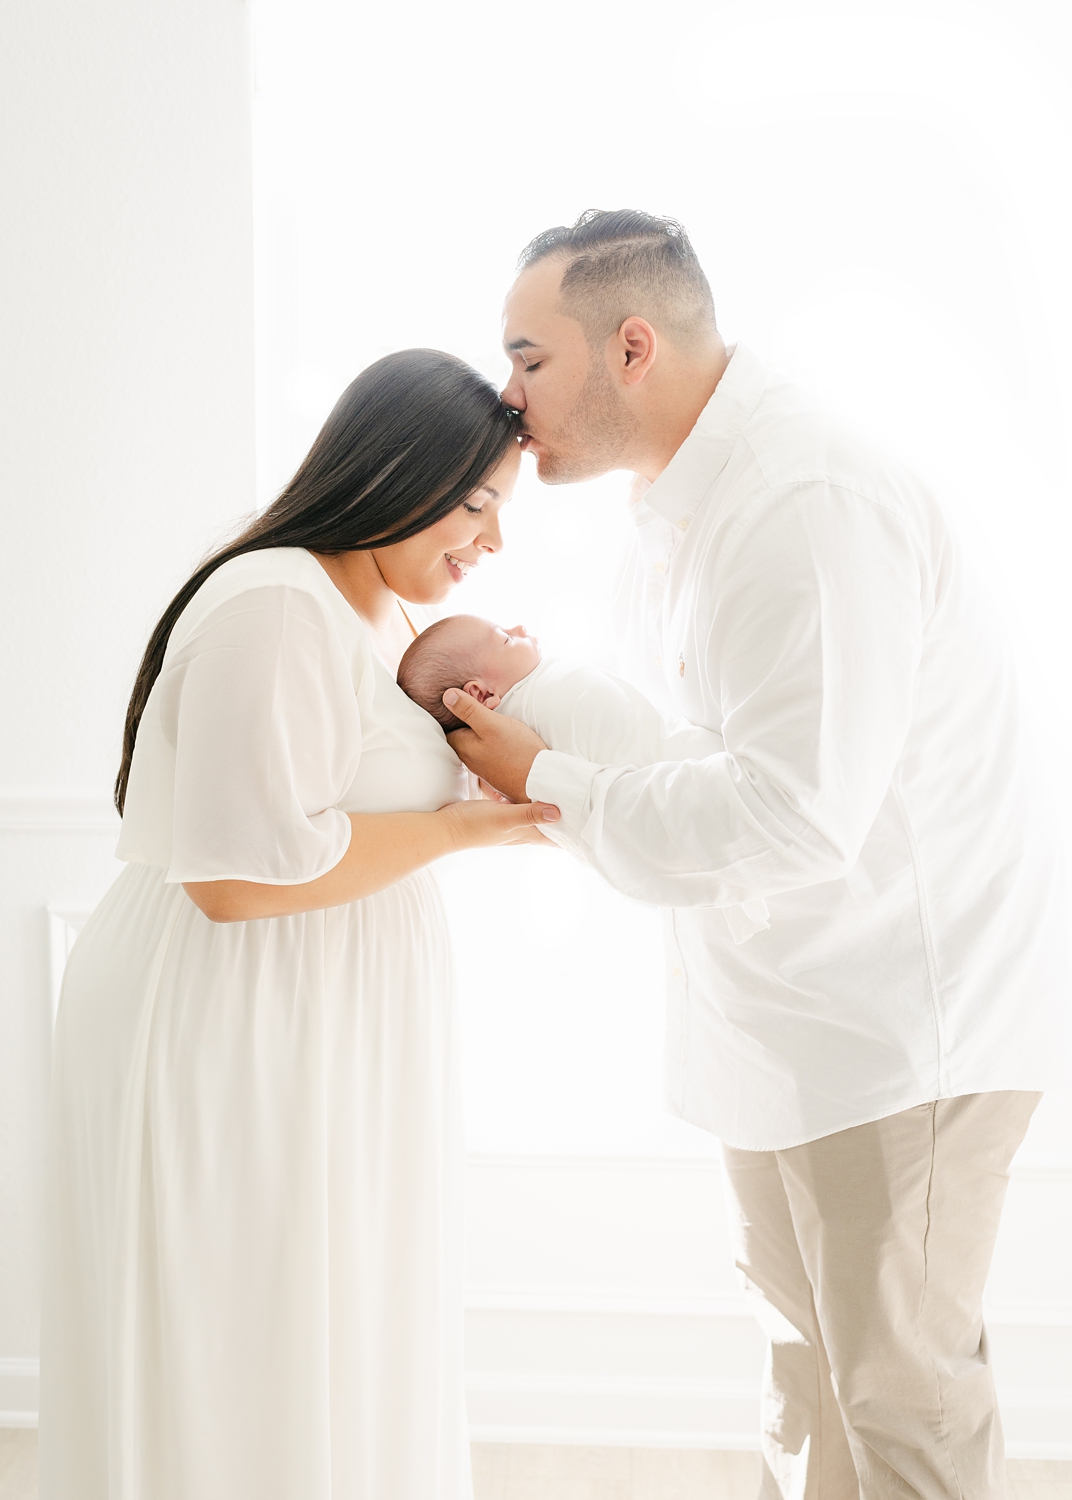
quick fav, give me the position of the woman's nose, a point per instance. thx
(490, 538)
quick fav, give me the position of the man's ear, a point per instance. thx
(482, 693)
(633, 350)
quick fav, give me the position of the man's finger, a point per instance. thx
(463, 706)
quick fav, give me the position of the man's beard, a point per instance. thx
(593, 436)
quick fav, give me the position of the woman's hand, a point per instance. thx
(384, 847)
(486, 824)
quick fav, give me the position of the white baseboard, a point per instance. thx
(547, 1370)
(18, 1392)
(611, 1437)
(603, 1409)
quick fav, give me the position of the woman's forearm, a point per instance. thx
(383, 848)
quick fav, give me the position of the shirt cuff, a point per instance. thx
(566, 782)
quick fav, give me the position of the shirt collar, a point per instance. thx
(679, 489)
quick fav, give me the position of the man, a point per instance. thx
(872, 1057)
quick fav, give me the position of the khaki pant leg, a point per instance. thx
(896, 1223)
(805, 1452)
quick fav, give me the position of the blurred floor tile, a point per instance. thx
(1039, 1479)
(18, 1463)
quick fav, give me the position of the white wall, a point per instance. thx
(126, 370)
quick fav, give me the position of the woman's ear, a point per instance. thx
(482, 693)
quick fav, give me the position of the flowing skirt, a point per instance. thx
(253, 1278)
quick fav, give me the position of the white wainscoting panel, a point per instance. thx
(603, 1308)
(64, 925)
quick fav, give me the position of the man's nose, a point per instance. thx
(512, 394)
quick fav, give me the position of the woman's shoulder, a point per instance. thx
(279, 571)
(291, 567)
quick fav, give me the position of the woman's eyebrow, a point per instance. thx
(489, 491)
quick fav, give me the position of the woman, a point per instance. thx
(253, 1275)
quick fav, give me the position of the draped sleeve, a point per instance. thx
(250, 738)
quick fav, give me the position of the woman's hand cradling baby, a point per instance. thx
(498, 749)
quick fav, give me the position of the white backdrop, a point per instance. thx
(879, 195)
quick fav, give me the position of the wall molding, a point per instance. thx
(56, 810)
(603, 1410)
(586, 1300)
(656, 1303)
(18, 1391)
(501, 1161)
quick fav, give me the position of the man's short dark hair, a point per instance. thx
(626, 263)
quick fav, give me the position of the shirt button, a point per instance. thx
(675, 973)
(681, 666)
(683, 524)
(660, 567)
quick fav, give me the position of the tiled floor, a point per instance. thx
(520, 1472)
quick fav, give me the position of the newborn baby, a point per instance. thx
(576, 709)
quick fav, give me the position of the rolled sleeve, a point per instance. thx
(566, 782)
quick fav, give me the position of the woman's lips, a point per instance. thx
(457, 567)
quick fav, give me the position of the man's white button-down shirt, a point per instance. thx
(801, 595)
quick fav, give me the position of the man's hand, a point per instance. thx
(497, 749)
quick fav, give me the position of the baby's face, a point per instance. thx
(502, 657)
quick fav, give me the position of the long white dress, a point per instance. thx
(253, 1281)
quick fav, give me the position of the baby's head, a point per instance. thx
(465, 652)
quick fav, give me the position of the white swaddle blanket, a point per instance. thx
(580, 710)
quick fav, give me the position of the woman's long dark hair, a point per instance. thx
(406, 442)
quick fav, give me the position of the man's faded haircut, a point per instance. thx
(430, 666)
(623, 264)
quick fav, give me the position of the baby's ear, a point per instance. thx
(482, 693)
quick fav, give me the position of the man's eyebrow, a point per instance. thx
(520, 344)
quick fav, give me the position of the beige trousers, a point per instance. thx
(864, 1256)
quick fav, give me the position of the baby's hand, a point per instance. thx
(488, 792)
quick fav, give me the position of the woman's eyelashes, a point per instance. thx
(474, 510)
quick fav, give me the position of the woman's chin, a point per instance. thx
(429, 591)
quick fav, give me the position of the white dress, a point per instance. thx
(253, 1280)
